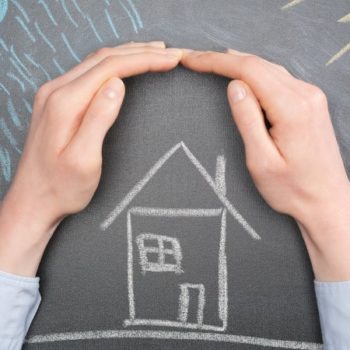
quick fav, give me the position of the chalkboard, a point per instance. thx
(177, 249)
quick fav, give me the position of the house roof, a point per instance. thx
(153, 171)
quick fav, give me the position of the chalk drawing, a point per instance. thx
(184, 302)
(72, 20)
(26, 70)
(156, 167)
(13, 113)
(143, 243)
(291, 4)
(132, 19)
(82, 14)
(38, 65)
(151, 243)
(29, 80)
(2, 87)
(5, 162)
(3, 45)
(91, 23)
(344, 19)
(173, 335)
(70, 49)
(3, 9)
(44, 37)
(27, 105)
(8, 134)
(111, 24)
(21, 10)
(48, 11)
(17, 80)
(136, 14)
(339, 54)
(58, 66)
(25, 28)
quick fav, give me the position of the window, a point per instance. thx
(159, 253)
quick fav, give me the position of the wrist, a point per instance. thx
(24, 234)
(326, 232)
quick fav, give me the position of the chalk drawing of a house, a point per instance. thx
(194, 299)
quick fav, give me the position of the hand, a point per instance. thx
(60, 168)
(296, 163)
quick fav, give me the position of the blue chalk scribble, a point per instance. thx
(5, 162)
(3, 9)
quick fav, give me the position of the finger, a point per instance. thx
(83, 88)
(98, 56)
(276, 66)
(99, 117)
(91, 60)
(250, 122)
(266, 83)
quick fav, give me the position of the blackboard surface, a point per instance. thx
(177, 250)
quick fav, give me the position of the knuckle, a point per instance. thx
(252, 61)
(43, 92)
(84, 168)
(55, 100)
(317, 97)
(264, 166)
(103, 52)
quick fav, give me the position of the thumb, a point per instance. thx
(250, 122)
(99, 117)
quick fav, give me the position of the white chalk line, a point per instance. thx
(291, 4)
(164, 335)
(158, 165)
(138, 187)
(175, 212)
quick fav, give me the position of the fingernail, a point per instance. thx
(188, 51)
(160, 44)
(235, 52)
(174, 52)
(113, 89)
(238, 93)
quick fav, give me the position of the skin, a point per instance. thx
(295, 164)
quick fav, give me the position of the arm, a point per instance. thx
(297, 167)
(60, 167)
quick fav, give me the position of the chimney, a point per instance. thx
(220, 176)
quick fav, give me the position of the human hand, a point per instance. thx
(296, 163)
(60, 167)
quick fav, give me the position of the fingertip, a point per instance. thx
(114, 89)
(236, 91)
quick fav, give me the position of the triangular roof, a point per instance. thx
(156, 167)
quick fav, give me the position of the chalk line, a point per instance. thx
(93, 27)
(132, 20)
(339, 54)
(138, 187)
(166, 335)
(291, 4)
(58, 66)
(344, 19)
(175, 212)
(232, 210)
(2, 86)
(68, 14)
(13, 113)
(136, 14)
(158, 165)
(44, 37)
(48, 11)
(22, 10)
(5, 162)
(220, 176)
(111, 24)
(69, 47)
(15, 78)
(25, 28)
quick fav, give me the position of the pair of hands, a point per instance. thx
(295, 164)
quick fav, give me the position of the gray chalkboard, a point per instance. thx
(233, 274)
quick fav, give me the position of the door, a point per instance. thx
(191, 303)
